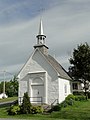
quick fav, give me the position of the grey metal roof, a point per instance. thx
(62, 72)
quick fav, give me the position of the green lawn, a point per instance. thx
(8, 99)
(80, 111)
(3, 114)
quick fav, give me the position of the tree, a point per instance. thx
(1, 87)
(12, 87)
(26, 105)
(80, 65)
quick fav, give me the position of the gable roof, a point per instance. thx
(58, 68)
(62, 72)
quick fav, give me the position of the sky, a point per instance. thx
(66, 25)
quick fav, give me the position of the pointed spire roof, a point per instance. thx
(41, 40)
(40, 28)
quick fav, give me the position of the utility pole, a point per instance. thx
(3, 82)
(4, 78)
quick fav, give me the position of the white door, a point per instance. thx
(37, 93)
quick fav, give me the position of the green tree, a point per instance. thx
(80, 65)
(26, 105)
(12, 87)
(1, 87)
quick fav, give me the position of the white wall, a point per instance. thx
(64, 84)
(37, 63)
(54, 86)
(22, 89)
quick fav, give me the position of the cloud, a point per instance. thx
(16, 11)
(66, 24)
(66, 28)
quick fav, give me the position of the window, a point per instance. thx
(65, 88)
(75, 86)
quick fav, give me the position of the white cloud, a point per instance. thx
(65, 26)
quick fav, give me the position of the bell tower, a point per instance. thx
(41, 40)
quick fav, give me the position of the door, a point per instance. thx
(37, 93)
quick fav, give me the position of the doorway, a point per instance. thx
(37, 93)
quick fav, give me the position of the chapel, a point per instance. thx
(45, 80)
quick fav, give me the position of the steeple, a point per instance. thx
(40, 28)
(41, 39)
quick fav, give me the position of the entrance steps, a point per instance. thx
(46, 108)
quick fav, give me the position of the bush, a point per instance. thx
(56, 107)
(70, 97)
(64, 104)
(25, 107)
(14, 110)
(70, 102)
(89, 95)
(80, 98)
(78, 93)
(36, 109)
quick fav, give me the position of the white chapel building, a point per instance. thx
(42, 76)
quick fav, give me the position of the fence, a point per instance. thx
(32, 100)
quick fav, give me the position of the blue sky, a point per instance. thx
(66, 24)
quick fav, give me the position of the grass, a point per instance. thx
(8, 99)
(79, 111)
(3, 114)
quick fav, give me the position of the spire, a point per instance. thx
(41, 28)
(41, 40)
(41, 37)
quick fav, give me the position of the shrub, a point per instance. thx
(80, 98)
(25, 107)
(89, 95)
(36, 109)
(70, 97)
(56, 107)
(14, 110)
(78, 93)
(64, 104)
(70, 102)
